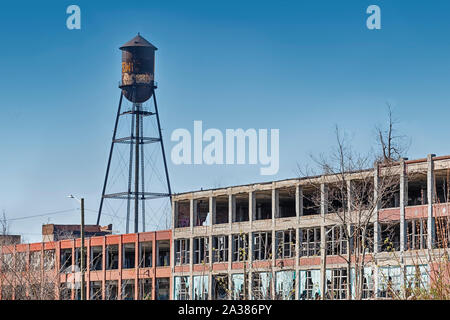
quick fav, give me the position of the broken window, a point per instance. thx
(201, 250)
(78, 290)
(417, 189)
(111, 289)
(221, 209)
(163, 258)
(337, 282)
(442, 226)
(65, 291)
(129, 251)
(112, 257)
(145, 254)
(285, 245)
(202, 216)
(337, 197)
(66, 260)
(78, 258)
(242, 210)
(162, 288)
(262, 245)
(442, 182)
(95, 290)
(35, 260)
(358, 243)
(220, 287)
(182, 218)
(21, 261)
(181, 288)
(389, 281)
(336, 241)
(263, 205)
(309, 284)
(390, 236)
(311, 201)
(220, 248)
(310, 245)
(237, 287)
(240, 247)
(416, 277)
(286, 198)
(128, 289)
(96, 262)
(181, 251)
(49, 259)
(417, 234)
(200, 288)
(390, 197)
(145, 289)
(262, 285)
(285, 285)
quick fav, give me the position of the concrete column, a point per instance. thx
(376, 225)
(275, 205)
(210, 251)
(430, 196)
(212, 210)
(403, 203)
(192, 205)
(251, 207)
(210, 297)
(230, 251)
(298, 201)
(274, 248)
(231, 209)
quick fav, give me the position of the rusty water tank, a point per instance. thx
(138, 69)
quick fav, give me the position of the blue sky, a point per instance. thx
(299, 66)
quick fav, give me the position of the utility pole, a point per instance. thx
(83, 295)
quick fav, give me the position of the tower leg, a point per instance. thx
(109, 158)
(136, 169)
(130, 168)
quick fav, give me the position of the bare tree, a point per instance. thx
(393, 145)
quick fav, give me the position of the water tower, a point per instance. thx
(138, 86)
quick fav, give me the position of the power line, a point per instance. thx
(40, 215)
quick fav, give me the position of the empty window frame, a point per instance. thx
(35, 260)
(65, 291)
(362, 238)
(309, 284)
(222, 209)
(263, 208)
(442, 183)
(200, 287)
(112, 257)
(182, 218)
(417, 234)
(220, 248)
(145, 254)
(391, 194)
(285, 285)
(286, 202)
(21, 261)
(49, 259)
(240, 247)
(442, 226)
(390, 236)
(337, 282)
(129, 254)
(220, 287)
(262, 285)
(162, 288)
(128, 286)
(95, 290)
(201, 250)
(96, 261)
(111, 289)
(181, 251)
(238, 291)
(78, 258)
(310, 242)
(417, 189)
(336, 240)
(311, 201)
(66, 260)
(145, 289)
(181, 288)
(163, 257)
(262, 245)
(202, 214)
(242, 209)
(285, 244)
